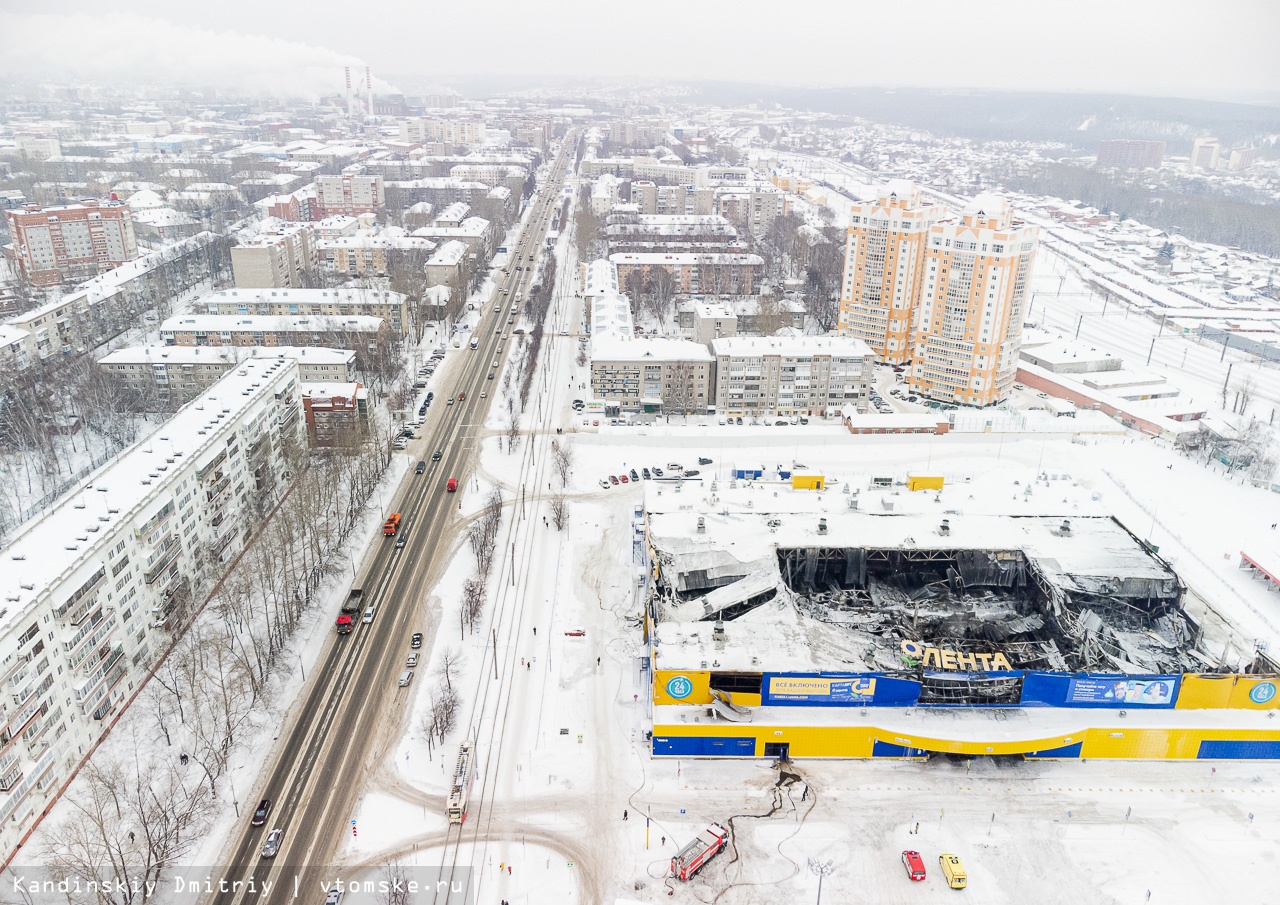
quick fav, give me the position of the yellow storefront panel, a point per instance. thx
(682, 686)
(1229, 691)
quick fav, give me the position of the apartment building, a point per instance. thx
(789, 376)
(670, 376)
(300, 206)
(73, 242)
(477, 233)
(631, 231)
(752, 209)
(600, 277)
(365, 255)
(281, 259)
(973, 302)
(444, 268)
(452, 130)
(393, 307)
(438, 191)
(1205, 153)
(651, 198)
(178, 374)
(336, 414)
(695, 273)
(93, 589)
(1125, 154)
(363, 334)
(351, 195)
(883, 269)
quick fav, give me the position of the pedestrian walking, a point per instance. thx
(535, 630)
(804, 794)
(664, 840)
(508, 870)
(917, 829)
(624, 813)
(528, 667)
(598, 659)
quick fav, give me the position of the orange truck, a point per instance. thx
(391, 525)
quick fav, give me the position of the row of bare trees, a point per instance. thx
(138, 808)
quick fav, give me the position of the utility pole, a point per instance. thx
(822, 869)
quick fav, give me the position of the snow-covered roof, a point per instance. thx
(270, 323)
(66, 541)
(660, 349)
(450, 254)
(306, 296)
(797, 346)
(179, 355)
(659, 258)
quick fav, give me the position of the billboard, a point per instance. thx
(1122, 691)
(822, 689)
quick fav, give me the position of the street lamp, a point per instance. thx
(821, 868)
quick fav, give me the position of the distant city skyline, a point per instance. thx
(1144, 47)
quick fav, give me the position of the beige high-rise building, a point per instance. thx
(284, 259)
(1205, 153)
(883, 269)
(969, 327)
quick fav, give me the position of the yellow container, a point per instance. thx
(924, 482)
(808, 482)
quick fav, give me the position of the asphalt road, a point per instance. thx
(317, 769)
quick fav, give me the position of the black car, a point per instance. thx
(692, 473)
(703, 460)
(422, 466)
(645, 472)
(416, 641)
(435, 456)
(634, 475)
(260, 815)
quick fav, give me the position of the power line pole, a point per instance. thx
(822, 869)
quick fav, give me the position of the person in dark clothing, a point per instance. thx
(624, 813)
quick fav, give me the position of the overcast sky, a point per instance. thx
(1209, 48)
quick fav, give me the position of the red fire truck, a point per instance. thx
(704, 846)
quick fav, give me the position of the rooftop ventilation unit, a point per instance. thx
(1065, 528)
(702, 525)
(822, 526)
(945, 527)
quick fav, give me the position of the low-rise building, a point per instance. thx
(695, 273)
(393, 307)
(445, 266)
(178, 374)
(371, 255)
(336, 414)
(360, 333)
(792, 375)
(669, 376)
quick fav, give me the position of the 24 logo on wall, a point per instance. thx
(679, 687)
(1262, 692)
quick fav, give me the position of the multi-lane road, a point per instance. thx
(340, 731)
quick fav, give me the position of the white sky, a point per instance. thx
(1220, 49)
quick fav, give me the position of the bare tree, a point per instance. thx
(449, 664)
(561, 461)
(394, 886)
(559, 511)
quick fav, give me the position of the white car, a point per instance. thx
(368, 615)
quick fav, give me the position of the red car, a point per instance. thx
(622, 478)
(613, 479)
(577, 633)
(462, 397)
(914, 864)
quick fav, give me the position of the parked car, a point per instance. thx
(703, 460)
(605, 484)
(645, 473)
(634, 475)
(260, 815)
(657, 472)
(613, 479)
(415, 640)
(411, 661)
(692, 473)
(623, 478)
(914, 864)
(272, 846)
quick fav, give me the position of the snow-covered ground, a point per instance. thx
(561, 736)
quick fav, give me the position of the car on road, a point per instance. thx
(450, 402)
(402, 538)
(422, 466)
(914, 864)
(634, 476)
(491, 375)
(613, 479)
(368, 615)
(452, 486)
(411, 661)
(497, 308)
(576, 633)
(415, 640)
(483, 394)
(260, 815)
(605, 484)
(334, 897)
(435, 456)
(462, 397)
(272, 846)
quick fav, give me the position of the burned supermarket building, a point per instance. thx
(784, 622)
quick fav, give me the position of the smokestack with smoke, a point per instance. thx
(348, 91)
(368, 81)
